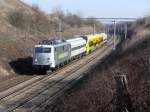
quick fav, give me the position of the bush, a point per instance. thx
(144, 21)
(140, 21)
(73, 20)
(37, 21)
(147, 21)
(17, 19)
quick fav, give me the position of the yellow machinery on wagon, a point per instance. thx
(93, 42)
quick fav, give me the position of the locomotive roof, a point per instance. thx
(75, 39)
(53, 42)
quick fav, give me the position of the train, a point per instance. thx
(52, 54)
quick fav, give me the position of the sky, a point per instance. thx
(97, 8)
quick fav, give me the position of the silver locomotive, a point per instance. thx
(50, 54)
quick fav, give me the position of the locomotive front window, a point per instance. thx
(42, 50)
(46, 50)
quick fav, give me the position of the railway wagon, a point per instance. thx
(99, 40)
(92, 42)
(105, 38)
(104, 35)
(78, 47)
(51, 53)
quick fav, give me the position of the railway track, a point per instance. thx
(5, 85)
(39, 91)
(13, 81)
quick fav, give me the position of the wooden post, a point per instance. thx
(122, 101)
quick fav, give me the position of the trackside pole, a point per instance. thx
(94, 28)
(126, 29)
(114, 46)
(60, 28)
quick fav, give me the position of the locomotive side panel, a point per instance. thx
(62, 53)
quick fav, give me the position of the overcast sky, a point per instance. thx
(97, 8)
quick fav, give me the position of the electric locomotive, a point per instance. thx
(51, 53)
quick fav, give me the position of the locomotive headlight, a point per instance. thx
(48, 59)
(35, 60)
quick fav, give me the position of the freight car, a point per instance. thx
(92, 42)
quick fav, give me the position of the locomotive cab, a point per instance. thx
(51, 54)
(42, 56)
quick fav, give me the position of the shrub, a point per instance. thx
(147, 21)
(140, 21)
(144, 21)
(17, 19)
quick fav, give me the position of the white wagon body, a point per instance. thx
(78, 46)
(104, 35)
